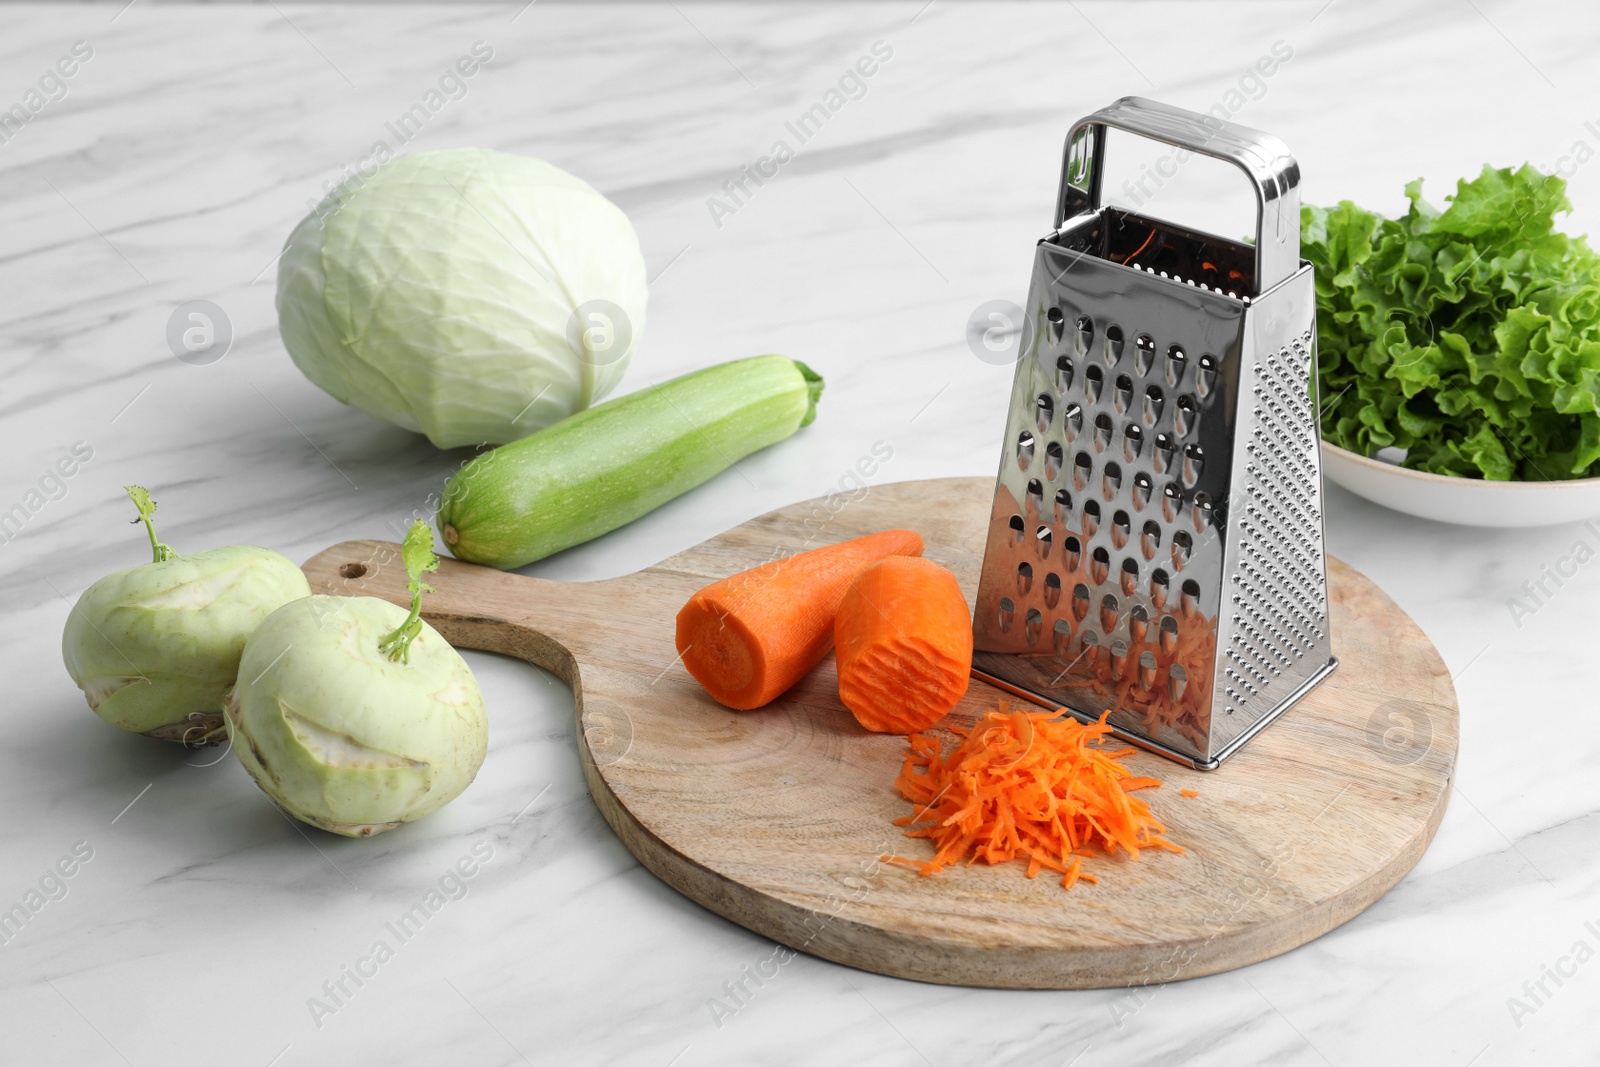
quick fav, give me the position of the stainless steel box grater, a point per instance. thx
(1156, 545)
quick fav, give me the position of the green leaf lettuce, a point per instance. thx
(1470, 337)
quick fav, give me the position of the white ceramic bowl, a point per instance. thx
(1467, 501)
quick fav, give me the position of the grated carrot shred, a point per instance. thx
(1026, 785)
(1187, 793)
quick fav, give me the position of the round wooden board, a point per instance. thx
(777, 818)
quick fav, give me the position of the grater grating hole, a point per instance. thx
(1159, 586)
(1082, 469)
(1103, 429)
(1034, 497)
(1165, 450)
(1072, 421)
(1091, 519)
(1147, 670)
(1120, 528)
(1205, 375)
(1182, 549)
(1132, 443)
(1185, 415)
(1044, 410)
(1062, 645)
(1057, 324)
(1080, 602)
(1099, 566)
(1189, 597)
(1084, 336)
(1150, 539)
(1154, 401)
(1052, 589)
(1138, 623)
(1113, 346)
(1071, 553)
(1042, 539)
(1054, 456)
(1007, 613)
(1122, 394)
(1201, 511)
(1111, 483)
(1144, 353)
(1194, 461)
(1094, 381)
(1032, 626)
(1130, 576)
(1024, 449)
(1168, 634)
(1142, 488)
(1063, 374)
(1063, 505)
(1108, 612)
(1171, 501)
(1017, 528)
(1177, 359)
(1024, 578)
(1119, 660)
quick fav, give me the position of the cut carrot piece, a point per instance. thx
(752, 635)
(1026, 785)
(904, 641)
(1187, 793)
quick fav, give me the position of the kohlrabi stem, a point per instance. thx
(419, 559)
(147, 507)
(396, 644)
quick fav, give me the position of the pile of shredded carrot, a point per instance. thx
(1025, 785)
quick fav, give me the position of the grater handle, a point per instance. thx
(1265, 160)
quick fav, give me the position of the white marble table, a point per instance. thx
(189, 142)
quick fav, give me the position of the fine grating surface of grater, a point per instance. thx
(1156, 543)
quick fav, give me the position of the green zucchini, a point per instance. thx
(606, 466)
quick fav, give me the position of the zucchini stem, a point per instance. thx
(813, 391)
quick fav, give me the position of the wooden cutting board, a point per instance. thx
(777, 818)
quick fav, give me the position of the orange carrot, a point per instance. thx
(1026, 785)
(904, 640)
(1187, 793)
(752, 635)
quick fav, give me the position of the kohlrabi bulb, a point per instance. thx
(156, 647)
(354, 715)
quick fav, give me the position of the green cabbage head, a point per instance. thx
(470, 295)
(341, 734)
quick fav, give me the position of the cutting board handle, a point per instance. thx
(471, 606)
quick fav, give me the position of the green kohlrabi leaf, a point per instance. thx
(147, 509)
(418, 555)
